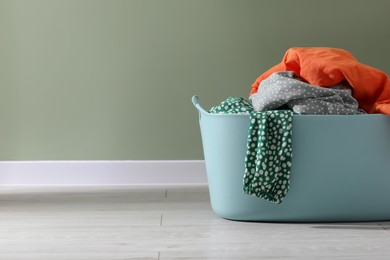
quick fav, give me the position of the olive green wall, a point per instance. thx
(112, 80)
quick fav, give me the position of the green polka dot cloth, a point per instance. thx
(269, 149)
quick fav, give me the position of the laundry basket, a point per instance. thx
(340, 168)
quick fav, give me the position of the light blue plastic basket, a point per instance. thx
(340, 169)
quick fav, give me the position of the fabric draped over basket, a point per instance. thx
(326, 67)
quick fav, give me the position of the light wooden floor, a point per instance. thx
(163, 223)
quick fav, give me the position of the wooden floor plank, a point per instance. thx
(169, 222)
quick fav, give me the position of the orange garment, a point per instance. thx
(327, 67)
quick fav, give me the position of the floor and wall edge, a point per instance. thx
(59, 173)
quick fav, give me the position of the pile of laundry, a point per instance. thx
(315, 81)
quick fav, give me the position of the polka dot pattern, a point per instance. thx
(286, 89)
(269, 149)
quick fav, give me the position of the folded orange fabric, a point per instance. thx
(326, 67)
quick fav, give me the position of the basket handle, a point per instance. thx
(195, 101)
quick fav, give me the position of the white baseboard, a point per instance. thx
(43, 173)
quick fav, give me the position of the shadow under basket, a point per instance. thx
(340, 169)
